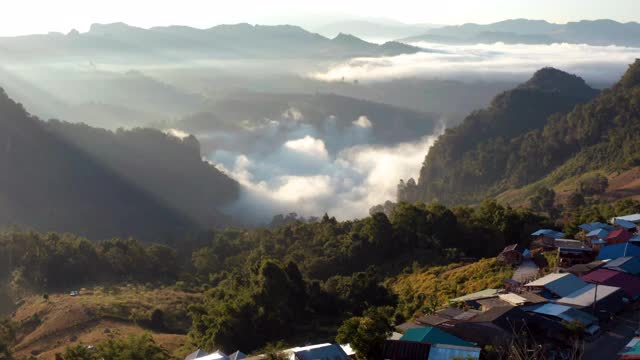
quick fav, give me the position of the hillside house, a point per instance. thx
(513, 254)
(629, 284)
(618, 250)
(546, 237)
(627, 225)
(634, 218)
(618, 236)
(628, 264)
(556, 285)
(608, 300)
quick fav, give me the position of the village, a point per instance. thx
(582, 305)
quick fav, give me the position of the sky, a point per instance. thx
(19, 17)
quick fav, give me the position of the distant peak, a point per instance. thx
(552, 79)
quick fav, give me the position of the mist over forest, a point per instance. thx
(303, 122)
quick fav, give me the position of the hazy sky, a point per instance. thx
(41, 16)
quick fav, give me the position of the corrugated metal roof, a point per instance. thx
(443, 352)
(633, 218)
(433, 335)
(628, 283)
(513, 299)
(321, 352)
(563, 312)
(599, 233)
(584, 296)
(196, 355)
(552, 233)
(625, 224)
(559, 284)
(477, 295)
(618, 250)
(628, 264)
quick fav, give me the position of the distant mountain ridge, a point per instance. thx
(63, 177)
(592, 32)
(180, 42)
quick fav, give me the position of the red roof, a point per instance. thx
(621, 234)
(630, 284)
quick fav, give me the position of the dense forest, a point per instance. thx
(61, 177)
(544, 128)
(309, 276)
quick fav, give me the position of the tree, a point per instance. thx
(366, 334)
(593, 184)
(575, 200)
(543, 200)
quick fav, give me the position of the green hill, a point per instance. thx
(498, 148)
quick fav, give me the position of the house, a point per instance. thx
(608, 300)
(556, 285)
(546, 237)
(618, 250)
(618, 236)
(629, 284)
(433, 335)
(471, 299)
(597, 234)
(564, 313)
(512, 254)
(627, 225)
(634, 218)
(626, 264)
(573, 252)
(405, 350)
(318, 352)
(595, 226)
(582, 269)
(498, 325)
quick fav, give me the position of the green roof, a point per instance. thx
(433, 335)
(487, 293)
(635, 350)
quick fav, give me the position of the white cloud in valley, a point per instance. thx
(308, 145)
(363, 122)
(488, 61)
(345, 185)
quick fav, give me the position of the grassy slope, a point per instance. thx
(625, 184)
(447, 282)
(47, 327)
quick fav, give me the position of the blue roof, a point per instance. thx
(595, 226)
(600, 233)
(563, 312)
(548, 232)
(632, 217)
(433, 335)
(618, 250)
(628, 264)
(625, 224)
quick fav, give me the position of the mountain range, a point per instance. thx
(180, 43)
(524, 31)
(551, 129)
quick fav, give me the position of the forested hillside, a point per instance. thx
(480, 157)
(599, 135)
(73, 178)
